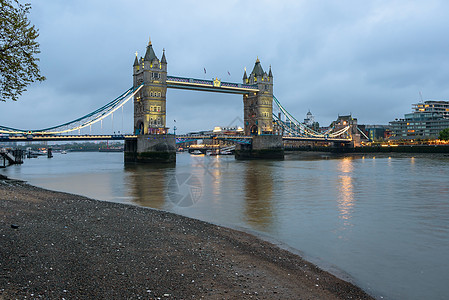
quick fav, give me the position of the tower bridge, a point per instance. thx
(150, 141)
(150, 101)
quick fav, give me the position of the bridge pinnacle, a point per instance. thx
(136, 61)
(150, 55)
(163, 59)
(257, 70)
(149, 41)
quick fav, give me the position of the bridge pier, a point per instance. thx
(262, 147)
(153, 148)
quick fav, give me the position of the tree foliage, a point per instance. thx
(444, 134)
(18, 50)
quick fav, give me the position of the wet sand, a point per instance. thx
(55, 245)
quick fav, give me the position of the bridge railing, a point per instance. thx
(178, 79)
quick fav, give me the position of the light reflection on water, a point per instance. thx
(346, 190)
(382, 220)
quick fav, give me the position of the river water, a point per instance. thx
(382, 222)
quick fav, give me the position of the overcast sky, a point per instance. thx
(368, 58)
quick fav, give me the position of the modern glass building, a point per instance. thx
(424, 122)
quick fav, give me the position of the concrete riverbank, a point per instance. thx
(429, 149)
(56, 245)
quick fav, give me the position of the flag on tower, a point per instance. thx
(204, 70)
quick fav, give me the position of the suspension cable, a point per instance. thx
(87, 120)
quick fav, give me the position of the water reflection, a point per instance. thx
(148, 183)
(258, 195)
(346, 190)
(386, 224)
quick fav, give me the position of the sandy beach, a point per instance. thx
(60, 246)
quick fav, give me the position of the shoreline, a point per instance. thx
(75, 247)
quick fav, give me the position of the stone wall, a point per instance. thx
(151, 149)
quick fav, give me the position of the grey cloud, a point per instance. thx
(370, 58)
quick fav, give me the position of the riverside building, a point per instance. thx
(424, 122)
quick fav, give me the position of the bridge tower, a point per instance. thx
(150, 102)
(258, 118)
(258, 107)
(153, 143)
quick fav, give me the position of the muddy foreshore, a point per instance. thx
(55, 245)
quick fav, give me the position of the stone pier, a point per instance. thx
(153, 148)
(262, 147)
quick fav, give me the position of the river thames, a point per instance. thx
(380, 221)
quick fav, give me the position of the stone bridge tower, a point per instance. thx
(153, 143)
(258, 118)
(149, 103)
(258, 107)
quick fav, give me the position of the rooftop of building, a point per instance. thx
(446, 102)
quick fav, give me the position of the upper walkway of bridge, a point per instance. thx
(210, 85)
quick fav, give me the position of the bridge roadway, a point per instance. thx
(48, 138)
(180, 138)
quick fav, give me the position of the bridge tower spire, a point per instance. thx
(258, 107)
